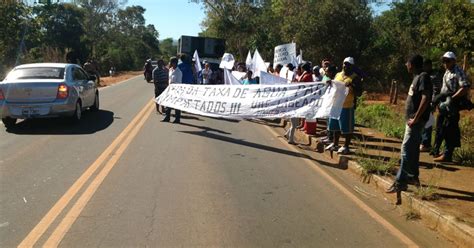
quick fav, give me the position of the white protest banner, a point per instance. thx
(227, 61)
(284, 54)
(270, 79)
(310, 100)
(230, 79)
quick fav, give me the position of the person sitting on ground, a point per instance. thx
(417, 114)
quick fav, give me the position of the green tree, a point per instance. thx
(61, 29)
(168, 48)
(15, 19)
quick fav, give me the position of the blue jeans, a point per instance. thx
(410, 154)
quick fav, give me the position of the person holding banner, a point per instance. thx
(345, 124)
(175, 77)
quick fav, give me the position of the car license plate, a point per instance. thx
(30, 111)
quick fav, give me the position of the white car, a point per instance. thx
(44, 90)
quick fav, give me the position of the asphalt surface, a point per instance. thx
(205, 182)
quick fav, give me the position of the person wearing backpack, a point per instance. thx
(454, 97)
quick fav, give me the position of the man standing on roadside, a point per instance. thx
(417, 114)
(175, 77)
(160, 79)
(455, 87)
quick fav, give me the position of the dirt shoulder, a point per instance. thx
(119, 77)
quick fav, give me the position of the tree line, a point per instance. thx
(103, 30)
(336, 29)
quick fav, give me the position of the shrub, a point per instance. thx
(465, 154)
(380, 117)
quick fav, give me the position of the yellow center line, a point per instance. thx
(35, 234)
(77, 208)
(382, 221)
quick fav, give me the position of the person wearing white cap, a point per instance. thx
(345, 124)
(455, 87)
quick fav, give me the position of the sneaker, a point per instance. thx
(325, 141)
(331, 147)
(343, 150)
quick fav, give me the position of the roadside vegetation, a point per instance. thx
(74, 31)
(465, 154)
(380, 117)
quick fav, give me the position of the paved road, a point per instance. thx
(121, 178)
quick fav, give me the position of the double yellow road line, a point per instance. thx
(109, 157)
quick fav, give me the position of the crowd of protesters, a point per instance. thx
(429, 93)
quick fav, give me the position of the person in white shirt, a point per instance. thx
(175, 77)
(206, 73)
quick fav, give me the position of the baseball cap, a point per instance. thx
(449, 55)
(349, 60)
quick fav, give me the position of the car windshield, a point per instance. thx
(36, 73)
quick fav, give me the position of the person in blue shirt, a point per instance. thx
(185, 67)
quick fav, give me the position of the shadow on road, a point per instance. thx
(259, 146)
(91, 122)
(205, 129)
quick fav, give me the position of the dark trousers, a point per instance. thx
(426, 137)
(159, 88)
(177, 114)
(447, 130)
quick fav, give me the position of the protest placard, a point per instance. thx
(284, 54)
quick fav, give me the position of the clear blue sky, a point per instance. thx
(172, 18)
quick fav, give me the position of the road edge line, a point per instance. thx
(372, 213)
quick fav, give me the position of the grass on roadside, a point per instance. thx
(465, 154)
(371, 166)
(380, 117)
(412, 213)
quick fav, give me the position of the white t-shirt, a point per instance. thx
(175, 76)
(206, 75)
